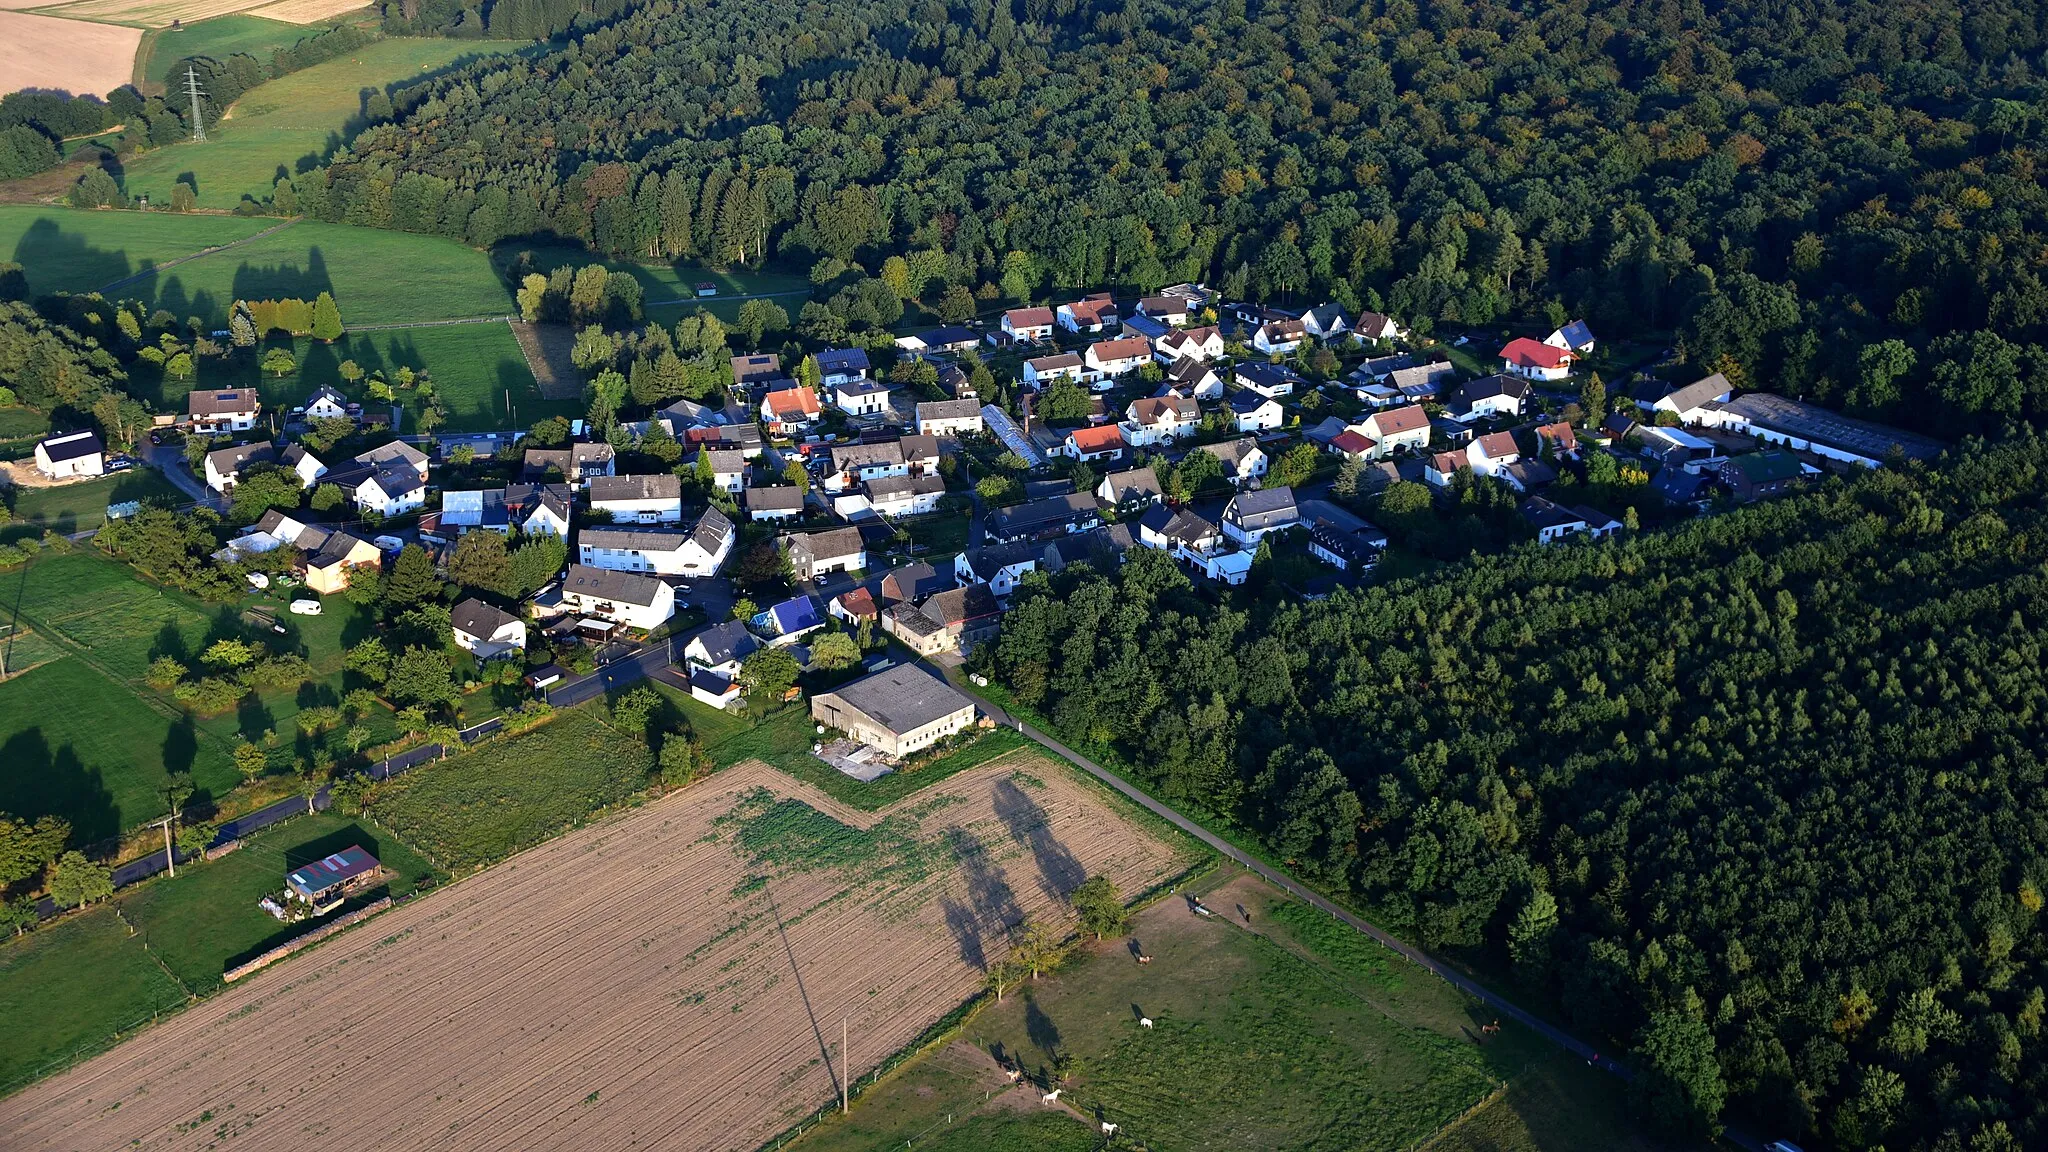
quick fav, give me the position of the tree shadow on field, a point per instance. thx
(37, 780)
(990, 900)
(1040, 1030)
(76, 265)
(1059, 871)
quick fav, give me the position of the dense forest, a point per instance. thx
(1836, 198)
(1760, 797)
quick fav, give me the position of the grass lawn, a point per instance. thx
(474, 367)
(937, 536)
(220, 38)
(206, 920)
(377, 276)
(80, 250)
(479, 807)
(1558, 1103)
(80, 507)
(66, 989)
(20, 428)
(290, 124)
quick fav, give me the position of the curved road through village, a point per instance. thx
(1287, 884)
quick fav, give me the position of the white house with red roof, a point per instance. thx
(1096, 443)
(1112, 358)
(1096, 313)
(1392, 429)
(1536, 360)
(1028, 325)
(1491, 454)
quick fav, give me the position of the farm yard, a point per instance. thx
(1296, 1034)
(290, 123)
(731, 925)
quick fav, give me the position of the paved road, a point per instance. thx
(1282, 881)
(630, 670)
(146, 273)
(169, 459)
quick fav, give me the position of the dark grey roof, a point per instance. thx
(1136, 484)
(525, 498)
(705, 680)
(726, 642)
(833, 361)
(658, 486)
(1246, 402)
(1698, 393)
(914, 582)
(1264, 508)
(984, 562)
(711, 531)
(1811, 422)
(850, 457)
(476, 618)
(1040, 514)
(1260, 374)
(1485, 388)
(635, 539)
(603, 584)
(887, 486)
(72, 446)
(902, 699)
(787, 497)
(221, 401)
(395, 450)
(1543, 514)
(1104, 543)
(228, 461)
(833, 542)
(948, 410)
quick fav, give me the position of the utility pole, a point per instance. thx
(170, 857)
(192, 90)
(845, 1068)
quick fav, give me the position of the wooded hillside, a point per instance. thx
(1760, 797)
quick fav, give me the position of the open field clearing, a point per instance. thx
(1559, 1103)
(67, 55)
(1293, 1034)
(82, 250)
(288, 124)
(220, 37)
(65, 988)
(667, 978)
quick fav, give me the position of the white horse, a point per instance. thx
(1109, 1129)
(1144, 1021)
(1052, 1097)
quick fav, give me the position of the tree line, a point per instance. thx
(1758, 797)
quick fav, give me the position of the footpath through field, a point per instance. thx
(1289, 885)
(153, 269)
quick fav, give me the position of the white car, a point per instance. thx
(389, 544)
(305, 607)
(258, 580)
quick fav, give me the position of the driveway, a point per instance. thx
(169, 459)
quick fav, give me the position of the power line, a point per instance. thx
(192, 89)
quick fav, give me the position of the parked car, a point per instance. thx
(305, 607)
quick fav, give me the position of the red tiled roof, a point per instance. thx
(1495, 445)
(1526, 353)
(1028, 317)
(1406, 418)
(793, 402)
(1128, 348)
(1447, 462)
(1102, 439)
(1092, 309)
(1561, 432)
(858, 602)
(1353, 443)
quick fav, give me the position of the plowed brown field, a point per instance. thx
(673, 978)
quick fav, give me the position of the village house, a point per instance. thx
(1443, 467)
(893, 496)
(1273, 381)
(1396, 429)
(628, 598)
(1279, 337)
(1242, 459)
(1422, 381)
(651, 499)
(324, 883)
(1497, 395)
(721, 648)
(1253, 413)
(1136, 488)
(1340, 539)
(323, 556)
(327, 404)
(223, 466)
(1169, 310)
(1575, 336)
(1160, 420)
(71, 455)
(788, 411)
(1528, 474)
(728, 468)
(1099, 443)
(898, 710)
(1756, 475)
(1252, 516)
(1193, 379)
(575, 464)
(757, 369)
(956, 383)
(486, 631)
(784, 502)
(1373, 326)
(838, 366)
(1559, 439)
(1185, 344)
(1352, 445)
(1536, 360)
(1028, 325)
(948, 417)
(538, 509)
(697, 551)
(789, 621)
(1089, 314)
(949, 340)
(1042, 519)
(1112, 358)
(1554, 522)
(861, 396)
(217, 411)
(813, 554)
(1039, 373)
(946, 621)
(710, 688)
(307, 467)
(1690, 403)
(853, 606)
(1489, 455)
(1326, 322)
(999, 566)
(852, 465)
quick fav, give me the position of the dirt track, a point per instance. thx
(673, 978)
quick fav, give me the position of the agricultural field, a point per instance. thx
(312, 11)
(481, 806)
(67, 989)
(147, 13)
(206, 921)
(83, 250)
(289, 124)
(102, 761)
(557, 999)
(66, 55)
(70, 508)
(1283, 1030)
(220, 37)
